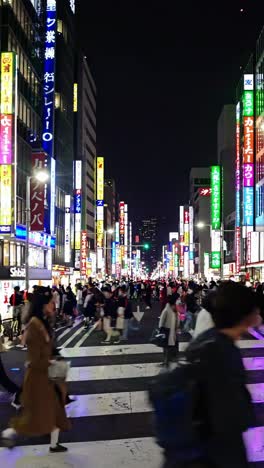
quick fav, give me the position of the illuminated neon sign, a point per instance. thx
(216, 197)
(248, 151)
(8, 69)
(48, 106)
(237, 187)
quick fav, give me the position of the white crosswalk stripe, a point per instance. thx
(118, 390)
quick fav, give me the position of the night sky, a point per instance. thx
(163, 71)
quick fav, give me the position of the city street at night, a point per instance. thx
(131, 234)
(111, 418)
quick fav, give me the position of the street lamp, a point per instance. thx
(42, 176)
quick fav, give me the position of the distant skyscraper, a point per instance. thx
(148, 234)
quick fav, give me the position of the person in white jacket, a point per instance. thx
(169, 324)
(204, 319)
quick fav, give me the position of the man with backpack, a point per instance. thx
(203, 406)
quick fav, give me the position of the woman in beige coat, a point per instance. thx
(43, 403)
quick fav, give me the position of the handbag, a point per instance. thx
(160, 337)
(58, 370)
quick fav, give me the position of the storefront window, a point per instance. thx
(6, 254)
(12, 254)
(18, 252)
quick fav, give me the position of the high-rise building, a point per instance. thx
(63, 126)
(85, 116)
(249, 167)
(148, 234)
(21, 130)
(200, 198)
(226, 151)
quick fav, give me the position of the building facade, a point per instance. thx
(226, 153)
(249, 167)
(63, 152)
(200, 200)
(21, 130)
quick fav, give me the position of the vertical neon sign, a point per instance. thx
(248, 151)
(48, 105)
(7, 137)
(100, 211)
(238, 187)
(215, 216)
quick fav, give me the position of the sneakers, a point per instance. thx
(117, 342)
(58, 449)
(15, 402)
(8, 438)
(106, 342)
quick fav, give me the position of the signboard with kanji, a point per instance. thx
(216, 197)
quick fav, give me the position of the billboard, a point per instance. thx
(37, 194)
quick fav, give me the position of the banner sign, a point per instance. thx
(37, 194)
(216, 197)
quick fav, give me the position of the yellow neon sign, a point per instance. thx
(7, 78)
(75, 97)
(5, 195)
(100, 178)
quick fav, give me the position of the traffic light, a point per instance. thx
(146, 246)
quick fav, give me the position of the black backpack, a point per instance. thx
(179, 412)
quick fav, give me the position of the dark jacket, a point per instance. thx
(110, 308)
(226, 398)
(124, 302)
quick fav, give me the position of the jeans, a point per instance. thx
(126, 329)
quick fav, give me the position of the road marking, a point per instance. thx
(86, 335)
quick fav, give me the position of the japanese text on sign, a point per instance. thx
(216, 197)
(37, 195)
(49, 77)
(7, 82)
(215, 260)
(6, 142)
(5, 198)
(83, 253)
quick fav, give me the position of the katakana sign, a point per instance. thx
(248, 151)
(37, 194)
(6, 140)
(216, 197)
(49, 77)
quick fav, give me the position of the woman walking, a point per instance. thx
(43, 402)
(169, 323)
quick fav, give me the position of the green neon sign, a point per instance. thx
(248, 104)
(215, 260)
(216, 197)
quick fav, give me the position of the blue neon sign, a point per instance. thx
(49, 77)
(48, 107)
(248, 209)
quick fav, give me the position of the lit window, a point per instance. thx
(59, 26)
(57, 100)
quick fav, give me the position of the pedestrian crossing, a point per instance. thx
(112, 418)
